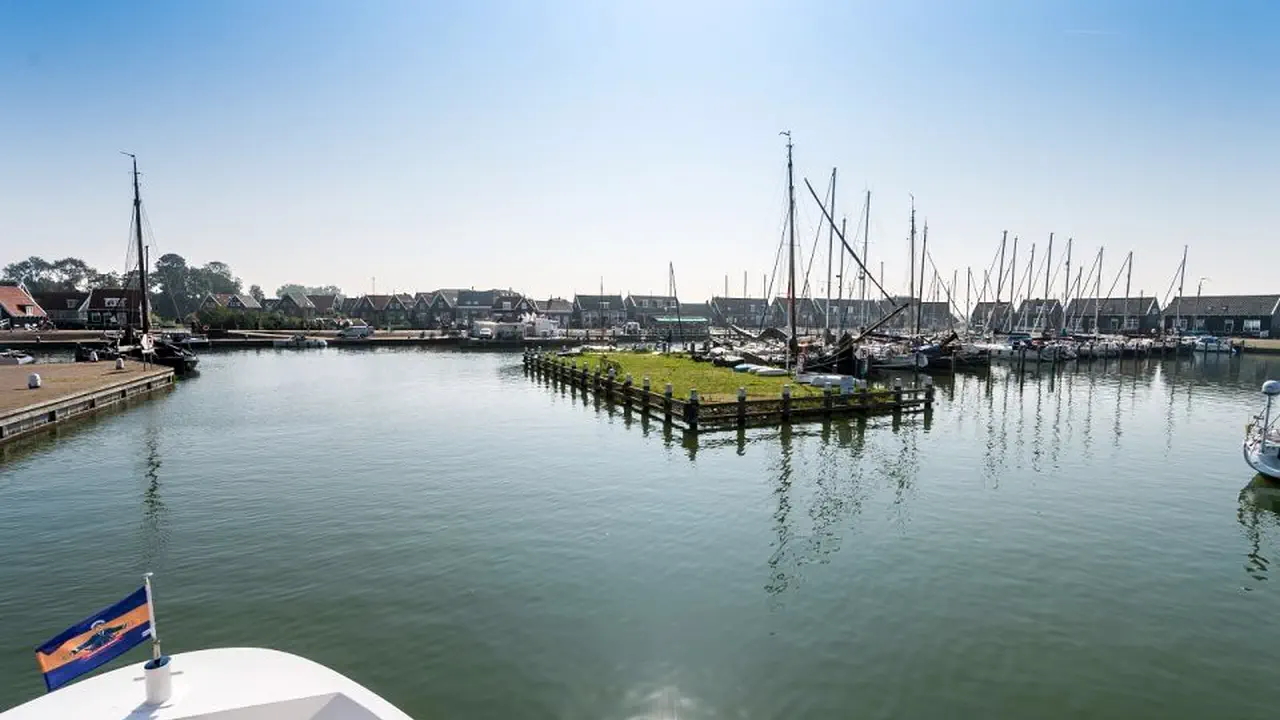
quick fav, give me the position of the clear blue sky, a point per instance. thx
(543, 145)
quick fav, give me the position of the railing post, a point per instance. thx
(691, 410)
(626, 390)
(742, 407)
(786, 403)
(666, 404)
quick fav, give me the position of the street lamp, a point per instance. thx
(1195, 318)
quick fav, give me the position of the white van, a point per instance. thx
(356, 332)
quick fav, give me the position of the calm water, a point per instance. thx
(469, 543)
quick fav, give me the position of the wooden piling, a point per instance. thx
(666, 404)
(691, 410)
(786, 403)
(742, 407)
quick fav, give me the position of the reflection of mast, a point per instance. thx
(154, 521)
(779, 581)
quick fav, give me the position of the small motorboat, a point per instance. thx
(15, 357)
(185, 339)
(1262, 442)
(769, 371)
(1210, 344)
(745, 367)
(299, 342)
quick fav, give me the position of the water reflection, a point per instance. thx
(1258, 515)
(155, 516)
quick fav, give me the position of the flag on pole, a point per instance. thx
(96, 640)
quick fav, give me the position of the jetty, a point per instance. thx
(695, 414)
(70, 390)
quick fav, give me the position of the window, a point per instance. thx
(1199, 323)
(111, 302)
(1229, 325)
(1115, 323)
(71, 304)
(1182, 323)
(1131, 323)
(604, 305)
(1253, 325)
(506, 305)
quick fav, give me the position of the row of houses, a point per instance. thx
(1248, 315)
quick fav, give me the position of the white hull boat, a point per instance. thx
(300, 342)
(1262, 442)
(1212, 345)
(15, 357)
(227, 684)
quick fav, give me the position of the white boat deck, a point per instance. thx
(223, 684)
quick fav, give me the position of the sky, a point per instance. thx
(562, 146)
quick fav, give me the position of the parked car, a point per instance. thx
(356, 332)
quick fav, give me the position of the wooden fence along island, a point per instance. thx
(728, 400)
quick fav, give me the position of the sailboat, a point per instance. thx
(145, 345)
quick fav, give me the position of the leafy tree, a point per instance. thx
(307, 289)
(71, 274)
(104, 280)
(256, 292)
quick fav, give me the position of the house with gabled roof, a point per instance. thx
(598, 311)
(557, 309)
(114, 308)
(1115, 315)
(231, 301)
(295, 305)
(434, 310)
(326, 305)
(381, 310)
(18, 307)
(1247, 315)
(644, 308)
(66, 309)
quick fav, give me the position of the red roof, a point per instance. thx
(17, 303)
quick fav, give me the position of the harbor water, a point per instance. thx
(468, 542)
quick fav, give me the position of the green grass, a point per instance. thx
(714, 384)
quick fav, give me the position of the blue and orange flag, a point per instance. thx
(95, 641)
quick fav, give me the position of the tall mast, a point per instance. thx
(924, 250)
(794, 343)
(912, 281)
(142, 253)
(968, 286)
(1013, 285)
(1182, 278)
(1004, 238)
(862, 276)
(841, 310)
(1048, 262)
(1097, 293)
(1124, 324)
(831, 237)
(1066, 290)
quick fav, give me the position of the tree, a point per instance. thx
(104, 280)
(218, 277)
(307, 290)
(71, 274)
(170, 280)
(256, 292)
(34, 272)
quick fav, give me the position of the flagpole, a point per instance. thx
(151, 610)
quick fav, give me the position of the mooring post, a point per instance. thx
(666, 404)
(742, 407)
(608, 384)
(928, 392)
(897, 392)
(786, 403)
(691, 410)
(826, 399)
(595, 379)
(864, 393)
(626, 390)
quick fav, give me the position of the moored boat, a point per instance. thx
(1261, 442)
(15, 357)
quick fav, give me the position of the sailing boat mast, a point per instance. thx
(1182, 278)
(911, 287)
(793, 344)
(831, 239)
(924, 250)
(142, 253)
(862, 276)
(1045, 302)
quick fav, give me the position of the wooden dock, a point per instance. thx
(69, 390)
(693, 415)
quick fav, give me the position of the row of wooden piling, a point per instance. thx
(694, 415)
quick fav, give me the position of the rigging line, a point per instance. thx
(938, 278)
(813, 253)
(850, 250)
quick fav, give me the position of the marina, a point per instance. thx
(638, 561)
